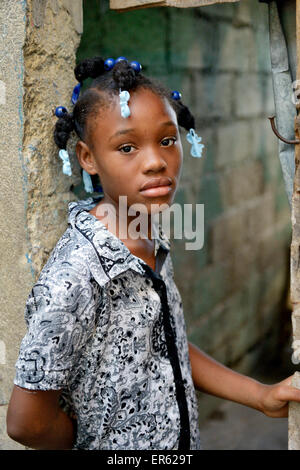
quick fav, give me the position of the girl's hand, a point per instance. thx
(274, 398)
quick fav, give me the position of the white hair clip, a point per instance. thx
(66, 162)
(194, 139)
(87, 181)
(124, 98)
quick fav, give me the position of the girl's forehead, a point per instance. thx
(147, 111)
(143, 104)
(146, 98)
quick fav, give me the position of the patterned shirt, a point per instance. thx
(109, 331)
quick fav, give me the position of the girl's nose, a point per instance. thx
(153, 161)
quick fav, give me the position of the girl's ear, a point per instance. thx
(86, 158)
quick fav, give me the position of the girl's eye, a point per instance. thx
(168, 142)
(125, 149)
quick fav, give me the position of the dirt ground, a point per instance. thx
(237, 427)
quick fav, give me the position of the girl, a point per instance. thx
(105, 363)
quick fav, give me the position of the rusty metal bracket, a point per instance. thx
(280, 136)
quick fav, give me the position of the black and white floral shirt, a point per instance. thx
(110, 333)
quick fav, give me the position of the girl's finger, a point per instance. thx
(288, 393)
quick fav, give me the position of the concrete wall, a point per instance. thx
(39, 40)
(234, 289)
(53, 34)
(16, 275)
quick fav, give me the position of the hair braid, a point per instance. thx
(184, 117)
(63, 128)
(89, 68)
(124, 75)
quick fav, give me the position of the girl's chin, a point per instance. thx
(157, 205)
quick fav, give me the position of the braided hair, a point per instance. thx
(105, 86)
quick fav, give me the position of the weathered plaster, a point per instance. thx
(294, 418)
(39, 41)
(16, 276)
(49, 57)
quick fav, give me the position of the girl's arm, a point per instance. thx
(214, 378)
(35, 419)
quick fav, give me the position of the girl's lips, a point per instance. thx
(155, 182)
(157, 191)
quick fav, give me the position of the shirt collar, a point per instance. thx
(114, 255)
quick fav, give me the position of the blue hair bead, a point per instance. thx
(121, 58)
(60, 111)
(176, 95)
(109, 63)
(136, 66)
(75, 94)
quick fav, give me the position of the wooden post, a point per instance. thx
(294, 408)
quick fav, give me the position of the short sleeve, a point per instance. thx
(60, 318)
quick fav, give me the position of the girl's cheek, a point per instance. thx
(179, 163)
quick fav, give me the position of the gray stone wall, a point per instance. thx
(39, 40)
(16, 275)
(53, 34)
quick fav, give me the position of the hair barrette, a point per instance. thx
(87, 181)
(124, 98)
(64, 155)
(194, 139)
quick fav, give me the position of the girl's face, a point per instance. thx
(127, 153)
